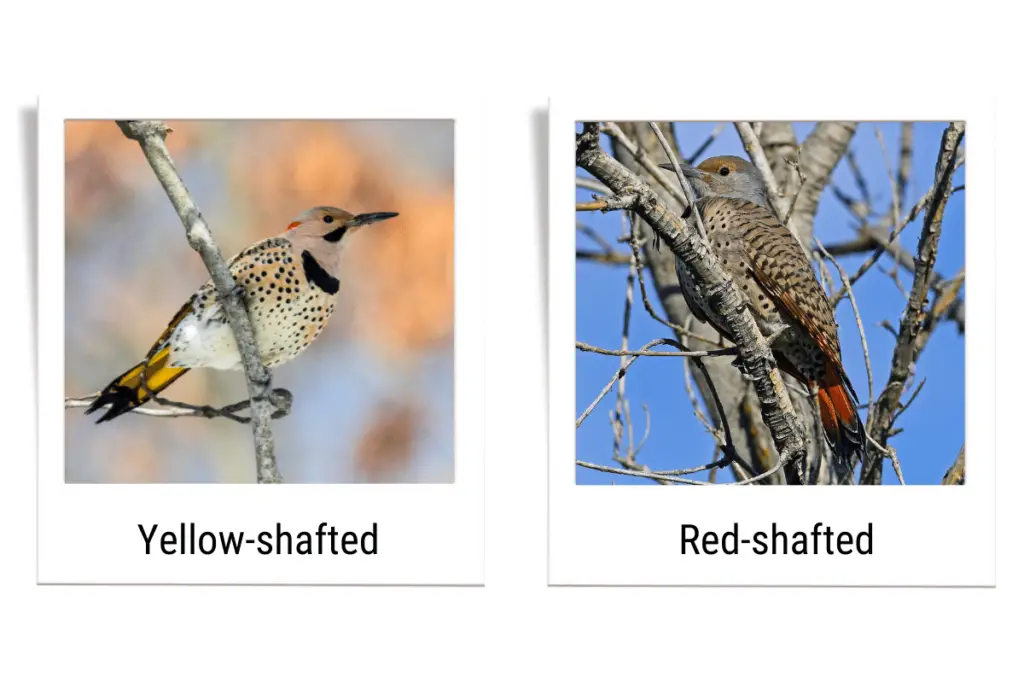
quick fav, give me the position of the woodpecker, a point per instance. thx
(289, 284)
(778, 286)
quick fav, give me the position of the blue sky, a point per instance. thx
(934, 424)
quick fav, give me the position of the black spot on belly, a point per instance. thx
(317, 275)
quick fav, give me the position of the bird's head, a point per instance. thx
(331, 224)
(726, 176)
(322, 234)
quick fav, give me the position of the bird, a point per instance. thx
(289, 285)
(777, 284)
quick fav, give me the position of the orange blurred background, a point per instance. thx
(373, 395)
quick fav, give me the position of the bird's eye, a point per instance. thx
(723, 171)
(328, 219)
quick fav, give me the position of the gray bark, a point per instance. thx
(912, 332)
(150, 136)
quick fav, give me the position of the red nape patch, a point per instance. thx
(293, 225)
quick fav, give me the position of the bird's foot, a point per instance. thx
(737, 363)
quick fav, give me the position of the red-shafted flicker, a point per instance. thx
(777, 284)
(290, 285)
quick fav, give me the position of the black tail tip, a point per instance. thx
(120, 399)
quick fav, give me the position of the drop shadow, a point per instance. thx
(29, 119)
(540, 125)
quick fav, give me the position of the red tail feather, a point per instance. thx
(843, 428)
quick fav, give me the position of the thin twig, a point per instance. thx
(595, 236)
(691, 196)
(611, 258)
(697, 153)
(592, 185)
(682, 331)
(895, 208)
(729, 447)
(728, 351)
(860, 325)
(903, 408)
(859, 181)
(605, 204)
(621, 370)
(907, 220)
(646, 474)
(620, 409)
(173, 408)
(779, 204)
(906, 154)
(641, 157)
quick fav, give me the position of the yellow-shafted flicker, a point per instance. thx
(778, 286)
(290, 284)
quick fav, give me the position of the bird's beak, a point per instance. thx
(367, 218)
(688, 171)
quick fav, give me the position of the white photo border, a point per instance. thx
(631, 535)
(428, 534)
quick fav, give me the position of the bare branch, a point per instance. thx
(691, 196)
(913, 318)
(704, 145)
(612, 258)
(606, 204)
(150, 136)
(282, 399)
(627, 312)
(645, 473)
(957, 473)
(819, 155)
(779, 204)
(859, 180)
(906, 154)
(783, 152)
(592, 185)
(895, 208)
(583, 346)
(875, 238)
(641, 157)
(888, 242)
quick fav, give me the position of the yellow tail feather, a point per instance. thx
(127, 393)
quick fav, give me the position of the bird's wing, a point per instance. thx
(178, 317)
(238, 268)
(778, 263)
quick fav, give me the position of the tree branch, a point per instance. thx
(956, 311)
(913, 318)
(956, 474)
(282, 400)
(150, 136)
(873, 237)
(779, 204)
(819, 155)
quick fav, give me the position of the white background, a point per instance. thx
(626, 535)
(426, 533)
(516, 628)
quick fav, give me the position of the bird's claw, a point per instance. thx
(737, 363)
